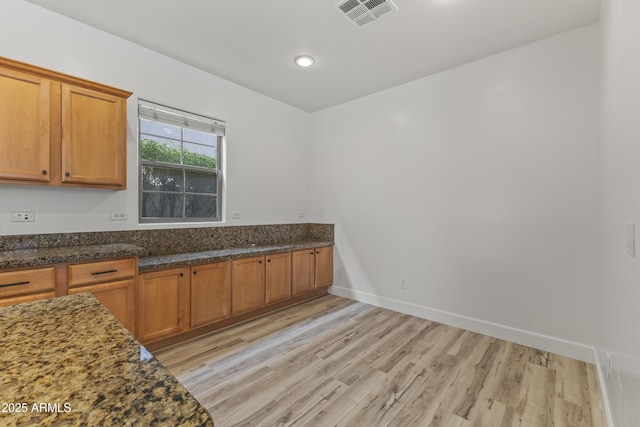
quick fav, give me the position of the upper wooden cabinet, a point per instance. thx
(93, 137)
(60, 130)
(24, 126)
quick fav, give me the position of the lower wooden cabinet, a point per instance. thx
(21, 283)
(210, 293)
(311, 269)
(118, 297)
(163, 304)
(4, 302)
(247, 287)
(302, 271)
(185, 301)
(323, 267)
(277, 277)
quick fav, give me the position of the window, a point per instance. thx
(180, 165)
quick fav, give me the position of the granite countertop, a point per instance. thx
(43, 256)
(178, 260)
(68, 361)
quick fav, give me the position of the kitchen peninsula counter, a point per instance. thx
(68, 361)
(32, 257)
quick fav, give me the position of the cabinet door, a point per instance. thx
(247, 284)
(24, 126)
(278, 277)
(210, 293)
(93, 138)
(163, 304)
(302, 271)
(117, 297)
(323, 267)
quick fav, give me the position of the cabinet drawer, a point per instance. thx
(27, 281)
(4, 302)
(103, 271)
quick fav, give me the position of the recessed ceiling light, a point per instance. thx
(304, 60)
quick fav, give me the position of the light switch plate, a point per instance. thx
(631, 239)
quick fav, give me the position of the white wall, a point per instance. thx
(479, 185)
(268, 151)
(618, 293)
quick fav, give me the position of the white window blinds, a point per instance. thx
(164, 114)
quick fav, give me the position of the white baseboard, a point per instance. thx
(597, 355)
(532, 339)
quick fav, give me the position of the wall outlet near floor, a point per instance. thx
(23, 216)
(236, 215)
(631, 239)
(300, 214)
(403, 282)
(118, 216)
(608, 369)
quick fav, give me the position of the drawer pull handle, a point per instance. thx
(6, 285)
(103, 272)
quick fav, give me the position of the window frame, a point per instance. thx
(218, 172)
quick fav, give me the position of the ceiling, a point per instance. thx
(253, 42)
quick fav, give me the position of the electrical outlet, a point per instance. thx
(118, 216)
(608, 366)
(631, 239)
(403, 282)
(300, 214)
(236, 215)
(23, 216)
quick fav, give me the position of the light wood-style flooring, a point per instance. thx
(336, 362)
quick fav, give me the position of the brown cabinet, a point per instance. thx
(247, 286)
(112, 282)
(277, 277)
(24, 126)
(323, 267)
(27, 285)
(302, 271)
(93, 137)
(311, 269)
(118, 297)
(60, 130)
(210, 293)
(163, 304)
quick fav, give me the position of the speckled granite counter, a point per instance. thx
(72, 359)
(66, 254)
(204, 257)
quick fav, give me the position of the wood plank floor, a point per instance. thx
(336, 362)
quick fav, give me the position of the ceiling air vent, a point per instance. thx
(362, 12)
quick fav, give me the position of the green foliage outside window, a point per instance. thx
(159, 152)
(167, 179)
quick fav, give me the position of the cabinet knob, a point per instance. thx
(44, 171)
(67, 174)
(310, 253)
(268, 260)
(181, 274)
(259, 262)
(195, 272)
